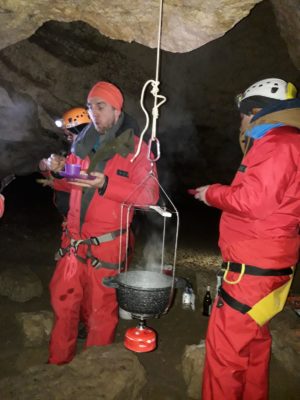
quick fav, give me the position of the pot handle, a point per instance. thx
(180, 283)
(110, 281)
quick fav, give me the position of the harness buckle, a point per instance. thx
(96, 263)
(94, 240)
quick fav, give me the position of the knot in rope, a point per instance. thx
(155, 90)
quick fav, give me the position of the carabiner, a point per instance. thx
(241, 274)
(157, 149)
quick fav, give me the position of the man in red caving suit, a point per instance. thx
(259, 242)
(90, 250)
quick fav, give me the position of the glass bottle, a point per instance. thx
(207, 302)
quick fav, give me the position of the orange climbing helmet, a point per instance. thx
(74, 117)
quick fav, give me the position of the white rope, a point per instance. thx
(154, 92)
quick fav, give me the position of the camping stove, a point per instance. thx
(147, 291)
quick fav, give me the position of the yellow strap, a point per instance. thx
(238, 279)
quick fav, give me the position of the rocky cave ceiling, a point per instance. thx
(52, 52)
(187, 24)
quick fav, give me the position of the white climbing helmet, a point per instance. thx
(264, 93)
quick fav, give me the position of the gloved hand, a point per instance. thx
(200, 195)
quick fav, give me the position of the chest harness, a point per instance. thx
(122, 144)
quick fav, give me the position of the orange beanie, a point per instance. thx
(107, 92)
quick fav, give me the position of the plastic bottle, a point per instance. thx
(188, 298)
(207, 301)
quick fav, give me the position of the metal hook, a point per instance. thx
(151, 141)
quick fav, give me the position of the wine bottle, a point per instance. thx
(207, 301)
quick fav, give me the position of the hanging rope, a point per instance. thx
(154, 92)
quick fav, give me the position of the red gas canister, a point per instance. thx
(140, 339)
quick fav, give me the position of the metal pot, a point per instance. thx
(143, 293)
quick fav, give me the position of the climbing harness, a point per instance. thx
(96, 241)
(155, 90)
(269, 305)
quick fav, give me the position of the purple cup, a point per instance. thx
(72, 169)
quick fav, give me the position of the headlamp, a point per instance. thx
(291, 91)
(238, 99)
(59, 123)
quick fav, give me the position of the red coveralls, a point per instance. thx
(259, 227)
(1, 206)
(76, 283)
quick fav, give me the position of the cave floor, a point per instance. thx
(29, 235)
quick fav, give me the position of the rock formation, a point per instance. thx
(187, 24)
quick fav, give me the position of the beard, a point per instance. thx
(102, 129)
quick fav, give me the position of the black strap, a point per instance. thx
(251, 270)
(97, 264)
(233, 303)
(106, 237)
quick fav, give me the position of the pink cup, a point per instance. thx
(72, 169)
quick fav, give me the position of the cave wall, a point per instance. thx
(23, 139)
(287, 15)
(198, 126)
